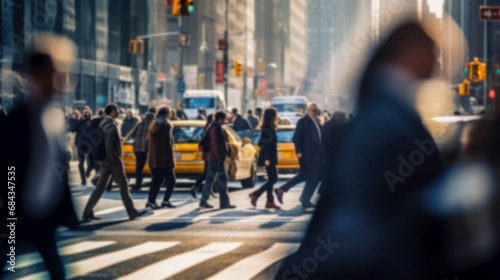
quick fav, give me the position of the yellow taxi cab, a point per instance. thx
(287, 158)
(188, 159)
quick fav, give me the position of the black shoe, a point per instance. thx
(205, 205)
(152, 205)
(193, 191)
(137, 214)
(90, 218)
(307, 205)
(228, 207)
(84, 183)
(167, 205)
(279, 194)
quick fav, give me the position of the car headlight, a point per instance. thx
(127, 154)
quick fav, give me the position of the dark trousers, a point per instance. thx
(92, 164)
(159, 176)
(202, 177)
(310, 176)
(81, 168)
(108, 170)
(140, 161)
(216, 174)
(272, 178)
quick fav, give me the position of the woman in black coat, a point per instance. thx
(268, 157)
(83, 145)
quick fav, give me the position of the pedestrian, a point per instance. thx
(241, 125)
(95, 136)
(258, 113)
(83, 146)
(216, 156)
(34, 154)
(181, 115)
(307, 141)
(129, 123)
(254, 121)
(173, 115)
(140, 136)
(111, 165)
(268, 157)
(386, 158)
(200, 114)
(161, 158)
(199, 181)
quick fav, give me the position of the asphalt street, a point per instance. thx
(181, 243)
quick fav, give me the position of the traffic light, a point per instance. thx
(477, 71)
(464, 88)
(238, 67)
(492, 94)
(466, 68)
(132, 46)
(182, 7)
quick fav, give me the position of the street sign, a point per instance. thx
(487, 13)
(219, 72)
(181, 87)
(222, 45)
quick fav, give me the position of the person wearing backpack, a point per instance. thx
(109, 152)
(216, 155)
(268, 157)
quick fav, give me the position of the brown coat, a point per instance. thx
(161, 145)
(218, 143)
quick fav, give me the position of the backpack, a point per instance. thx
(204, 144)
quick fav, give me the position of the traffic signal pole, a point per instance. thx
(226, 59)
(485, 82)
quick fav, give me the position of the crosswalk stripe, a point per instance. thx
(249, 267)
(110, 210)
(171, 266)
(34, 258)
(99, 262)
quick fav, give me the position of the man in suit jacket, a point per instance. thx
(368, 224)
(34, 155)
(112, 165)
(307, 141)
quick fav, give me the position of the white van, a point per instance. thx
(290, 104)
(211, 100)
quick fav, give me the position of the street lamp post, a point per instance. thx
(226, 50)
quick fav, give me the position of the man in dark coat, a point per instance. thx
(254, 121)
(368, 223)
(128, 123)
(34, 155)
(216, 156)
(241, 124)
(307, 141)
(140, 135)
(111, 165)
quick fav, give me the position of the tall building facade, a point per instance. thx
(101, 29)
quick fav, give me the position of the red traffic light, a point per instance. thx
(492, 93)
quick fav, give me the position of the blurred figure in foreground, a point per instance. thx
(368, 224)
(307, 141)
(35, 155)
(140, 135)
